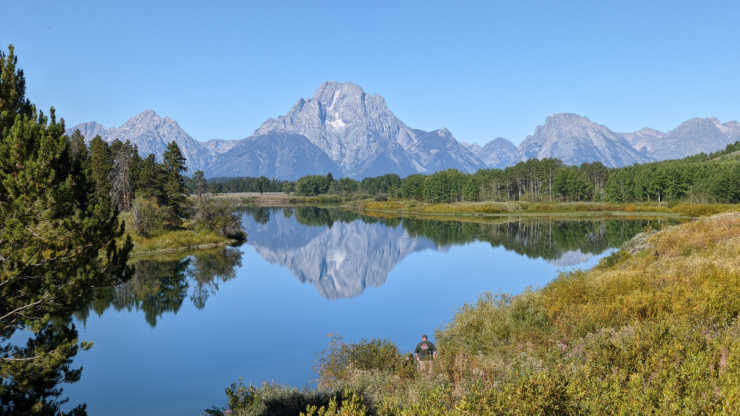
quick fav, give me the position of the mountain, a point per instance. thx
(497, 154)
(274, 155)
(219, 146)
(644, 140)
(696, 135)
(151, 134)
(575, 139)
(345, 131)
(364, 138)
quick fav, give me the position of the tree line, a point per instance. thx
(702, 178)
(246, 184)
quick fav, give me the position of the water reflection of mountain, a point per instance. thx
(341, 256)
(342, 253)
(161, 286)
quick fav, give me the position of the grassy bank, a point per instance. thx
(653, 329)
(492, 209)
(163, 242)
(281, 199)
(404, 207)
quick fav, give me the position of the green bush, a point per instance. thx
(218, 215)
(148, 217)
(275, 400)
(339, 362)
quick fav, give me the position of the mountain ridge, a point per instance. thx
(346, 131)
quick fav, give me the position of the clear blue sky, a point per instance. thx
(481, 69)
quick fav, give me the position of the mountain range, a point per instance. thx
(345, 131)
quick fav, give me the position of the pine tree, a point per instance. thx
(174, 166)
(200, 185)
(57, 242)
(121, 178)
(100, 165)
(13, 99)
(150, 180)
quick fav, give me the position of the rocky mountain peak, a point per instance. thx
(568, 118)
(575, 139)
(359, 133)
(329, 91)
(500, 142)
(698, 123)
(649, 131)
(149, 120)
(569, 123)
(497, 153)
(444, 132)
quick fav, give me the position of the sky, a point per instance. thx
(481, 69)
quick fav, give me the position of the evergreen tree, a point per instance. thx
(263, 183)
(200, 185)
(150, 180)
(100, 165)
(174, 188)
(13, 99)
(121, 178)
(57, 242)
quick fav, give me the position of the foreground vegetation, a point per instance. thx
(653, 329)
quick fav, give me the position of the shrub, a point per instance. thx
(276, 400)
(220, 216)
(148, 217)
(340, 360)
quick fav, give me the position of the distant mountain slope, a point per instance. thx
(644, 140)
(697, 135)
(275, 155)
(575, 139)
(497, 154)
(151, 134)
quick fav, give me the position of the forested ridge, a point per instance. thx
(701, 178)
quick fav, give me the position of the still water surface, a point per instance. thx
(169, 341)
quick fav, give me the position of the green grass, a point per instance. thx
(483, 209)
(163, 242)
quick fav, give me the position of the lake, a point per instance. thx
(170, 340)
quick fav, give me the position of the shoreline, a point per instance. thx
(489, 209)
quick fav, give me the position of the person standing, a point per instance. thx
(425, 354)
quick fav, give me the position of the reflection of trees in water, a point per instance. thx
(547, 238)
(541, 238)
(209, 270)
(159, 287)
(40, 388)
